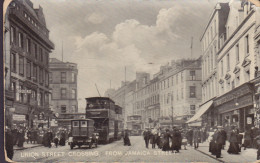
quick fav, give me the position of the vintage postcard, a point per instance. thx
(131, 80)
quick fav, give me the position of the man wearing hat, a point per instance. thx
(219, 138)
(147, 135)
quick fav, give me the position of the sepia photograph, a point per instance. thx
(131, 80)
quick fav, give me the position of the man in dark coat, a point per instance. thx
(166, 137)
(147, 135)
(49, 138)
(126, 138)
(223, 136)
(14, 132)
(9, 143)
(196, 138)
(176, 140)
(219, 138)
(233, 139)
(190, 136)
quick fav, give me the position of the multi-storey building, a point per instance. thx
(63, 84)
(211, 41)
(180, 89)
(237, 61)
(27, 52)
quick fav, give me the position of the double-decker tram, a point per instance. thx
(105, 115)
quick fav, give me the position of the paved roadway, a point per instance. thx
(114, 152)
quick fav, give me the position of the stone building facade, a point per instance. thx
(27, 50)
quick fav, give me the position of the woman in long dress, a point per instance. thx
(233, 140)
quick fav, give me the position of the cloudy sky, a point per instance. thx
(103, 37)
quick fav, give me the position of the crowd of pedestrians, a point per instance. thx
(172, 139)
(20, 135)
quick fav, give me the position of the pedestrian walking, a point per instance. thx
(196, 138)
(154, 137)
(247, 139)
(56, 141)
(176, 140)
(219, 138)
(223, 137)
(212, 142)
(147, 135)
(190, 136)
(62, 138)
(49, 138)
(166, 141)
(20, 138)
(126, 138)
(9, 147)
(233, 140)
(14, 132)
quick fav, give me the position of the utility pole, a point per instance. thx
(97, 89)
(62, 51)
(191, 46)
(125, 75)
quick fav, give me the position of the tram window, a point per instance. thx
(83, 124)
(75, 124)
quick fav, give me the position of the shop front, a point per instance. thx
(235, 108)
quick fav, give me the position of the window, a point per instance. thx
(50, 77)
(63, 77)
(41, 55)
(182, 93)
(35, 51)
(13, 88)
(35, 77)
(13, 62)
(192, 109)
(228, 62)
(177, 79)
(20, 40)
(222, 68)
(64, 110)
(247, 44)
(181, 76)
(192, 91)
(41, 99)
(192, 75)
(63, 93)
(41, 75)
(247, 75)
(237, 53)
(12, 35)
(73, 93)
(28, 69)
(215, 27)
(28, 45)
(46, 78)
(20, 93)
(73, 108)
(83, 124)
(21, 65)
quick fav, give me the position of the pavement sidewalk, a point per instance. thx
(26, 146)
(248, 155)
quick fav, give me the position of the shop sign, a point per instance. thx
(242, 102)
(18, 117)
(232, 95)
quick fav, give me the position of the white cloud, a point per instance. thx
(95, 18)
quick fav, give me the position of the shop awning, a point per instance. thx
(201, 111)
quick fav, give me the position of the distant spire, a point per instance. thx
(191, 46)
